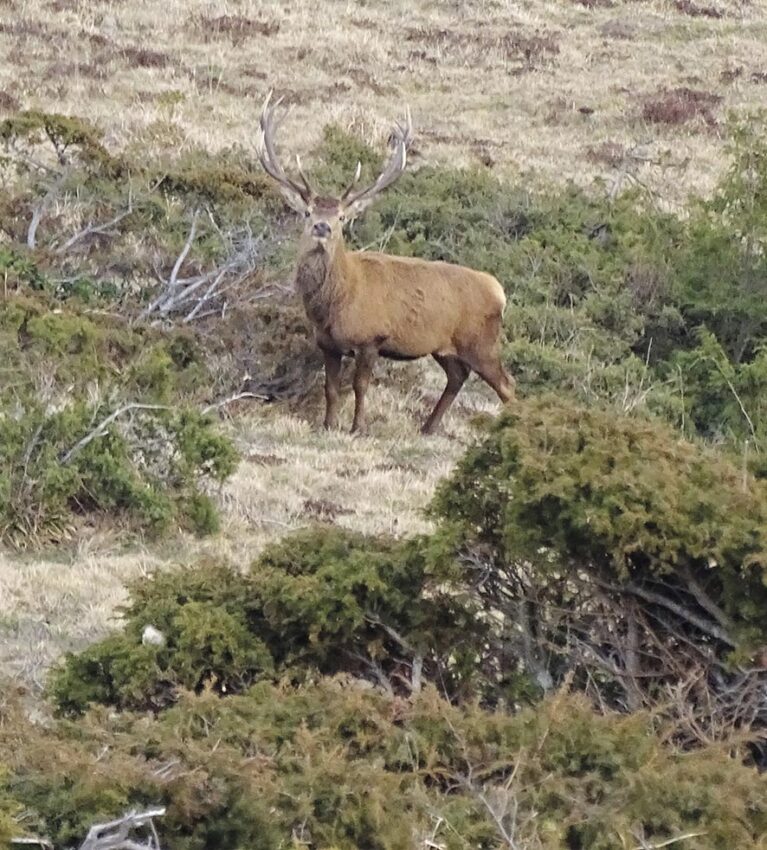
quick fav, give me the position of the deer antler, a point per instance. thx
(400, 139)
(267, 154)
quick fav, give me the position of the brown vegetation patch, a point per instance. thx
(422, 56)
(595, 4)
(364, 78)
(65, 5)
(680, 105)
(61, 70)
(729, 75)
(142, 57)
(265, 460)
(687, 7)
(26, 28)
(97, 39)
(236, 28)
(323, 510)
(532, 49)
(8, 103)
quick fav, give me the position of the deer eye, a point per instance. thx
(307, 214)
(342, 217)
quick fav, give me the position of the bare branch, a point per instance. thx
(40, 209)
(705, 626)
(232, 398)
(91, 229)
(114, 835)
(189, 296)
(101, 428)
(668, 842)
(184, 251)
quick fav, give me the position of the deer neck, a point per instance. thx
(323, 283)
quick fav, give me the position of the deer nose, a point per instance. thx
(321, 229)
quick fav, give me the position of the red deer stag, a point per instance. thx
(370, 304)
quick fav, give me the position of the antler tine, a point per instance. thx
(401, 138)
(267, 154)
(355, 179)
(301, 174)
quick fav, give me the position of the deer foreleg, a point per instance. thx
(366, 358)
(332, 387)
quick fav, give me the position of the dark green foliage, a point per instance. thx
(344, 767)
(321, 602)
(624, 495)
(146, 466)
(722, 268)
(17, 269)
(618, 551)
(65, 133)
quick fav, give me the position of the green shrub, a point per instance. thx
(619, 552)
(343, 766)
(146, 467)
(320, 602)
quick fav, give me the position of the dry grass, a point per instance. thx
(517, 86)
(292, 475)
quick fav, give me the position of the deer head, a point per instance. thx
(325, 216)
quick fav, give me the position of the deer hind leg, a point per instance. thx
(457, 372)
(332, 387)
(491, 370)
(485, 360)
(363, 372)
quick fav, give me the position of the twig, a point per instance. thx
(669, 841)
(206, 295)
(185, 250)
(232, 398)
(172, 282)
(738, 399)
(100, 429)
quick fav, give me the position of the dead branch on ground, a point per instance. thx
(187, 298)
(113, 835)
